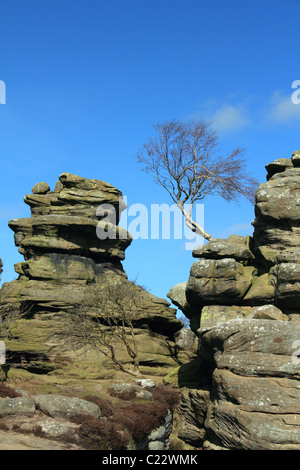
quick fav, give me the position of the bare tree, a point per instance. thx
(182, 158)
(105, 320)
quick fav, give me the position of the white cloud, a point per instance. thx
(281, 109)
(226, 117)
(237, 112)
(230, 118)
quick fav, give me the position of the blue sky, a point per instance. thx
(86, 79)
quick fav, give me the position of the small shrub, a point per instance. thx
(141, 418)
(8, 392)
(81, 418)
(4, 427)
(168, 395)
(138, 426)
(107, 435)
(105, 406)
(37, 431)
(125, 395)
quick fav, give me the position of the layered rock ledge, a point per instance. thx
(60, 244)
(243, 301)
(72, 241)
(254, 390)
(239, 273)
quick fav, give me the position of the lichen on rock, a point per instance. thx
(243, 301)
(73, 242)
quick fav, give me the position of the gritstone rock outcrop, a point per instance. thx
(64, 254)
(243, 301)
(59, 242)
(240, 273)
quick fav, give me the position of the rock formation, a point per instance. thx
(243, 301)
(241, 272)
(242, 298)
(65, 252)
(59, 242)
(254, 390)
(51, 421)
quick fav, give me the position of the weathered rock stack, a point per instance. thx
(240, 273)
(243, 300)
(66, 251)
(277, 230)
(254, 389)
(60, 245)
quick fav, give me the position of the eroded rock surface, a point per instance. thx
(263, 269)
(73, 242)
(255, 385)
(243, 301)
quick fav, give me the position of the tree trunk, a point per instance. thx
(118, 363)
(193, 225)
